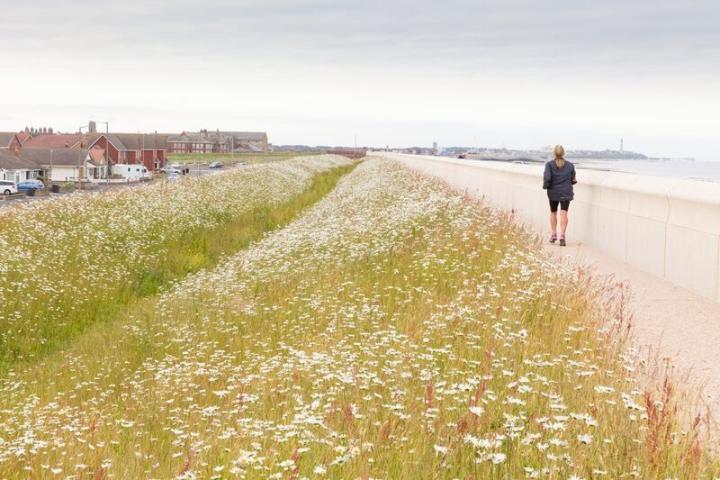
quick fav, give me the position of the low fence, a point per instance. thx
(668, 227)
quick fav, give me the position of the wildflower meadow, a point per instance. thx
(66, 262)
(393, 330)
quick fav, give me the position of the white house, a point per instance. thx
(15, 168)
(65, 165)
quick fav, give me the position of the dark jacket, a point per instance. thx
(559, 181)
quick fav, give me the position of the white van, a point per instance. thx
(135, 171)
(7, 187)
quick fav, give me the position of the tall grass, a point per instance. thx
(394, 330)
(68, 263)
(203, 248)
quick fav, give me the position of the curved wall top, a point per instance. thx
(669, 227)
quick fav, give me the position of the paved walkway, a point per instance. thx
(668, 321)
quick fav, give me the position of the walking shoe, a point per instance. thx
(562, 241)
(553, 239)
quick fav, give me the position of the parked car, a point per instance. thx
(7, 187)
(27, 185)
(171, 170)
(215, 165)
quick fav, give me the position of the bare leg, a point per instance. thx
(553, 222)
(563, 222)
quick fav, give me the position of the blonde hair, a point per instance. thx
(559, 156)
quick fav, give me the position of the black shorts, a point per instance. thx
(564, 205)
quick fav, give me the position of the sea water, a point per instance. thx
(697, 170)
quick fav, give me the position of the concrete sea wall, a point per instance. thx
(665, 226)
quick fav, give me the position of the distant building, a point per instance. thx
(248, 141)
(218, 141)
(348, 152)
(415, 150)
(192, 142)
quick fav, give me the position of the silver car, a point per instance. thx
(7, 187)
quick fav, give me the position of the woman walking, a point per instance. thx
(558, 180)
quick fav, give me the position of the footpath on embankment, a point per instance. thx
(657, 235)
(669, 322)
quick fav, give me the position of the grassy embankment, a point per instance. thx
(78, 261)
(395, 330)
(227, 158)
(205, 247)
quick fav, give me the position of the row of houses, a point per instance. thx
(66, 157)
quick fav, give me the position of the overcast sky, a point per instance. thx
(509, 73)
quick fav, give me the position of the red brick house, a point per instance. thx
(132, 148)
(10, 141)
(24, 137)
